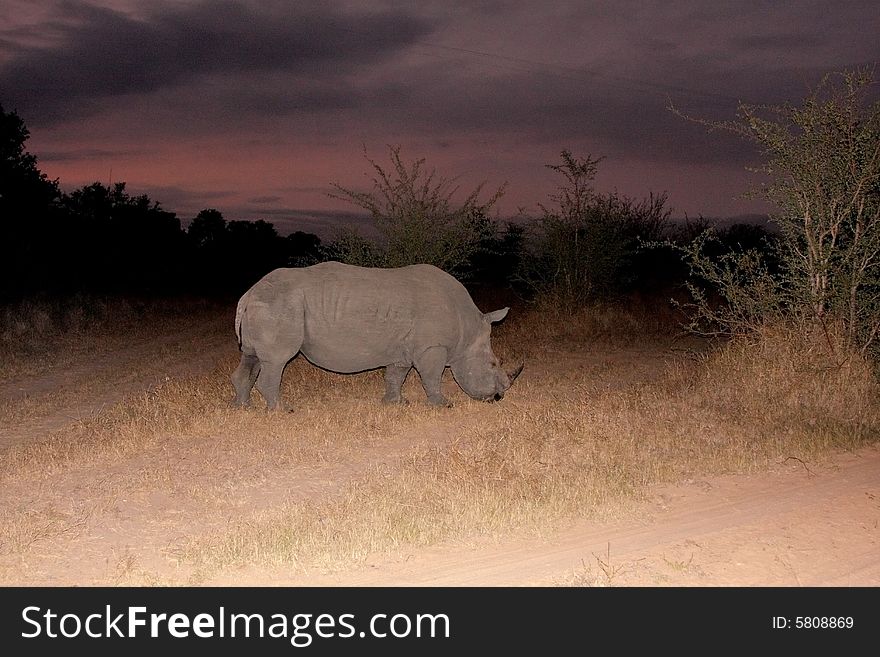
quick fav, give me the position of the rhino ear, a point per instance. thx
(495, 315)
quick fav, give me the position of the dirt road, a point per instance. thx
(791, 527)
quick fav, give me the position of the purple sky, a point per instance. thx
(254, 108)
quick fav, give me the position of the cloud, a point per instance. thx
(81, 154)
(185, 202)
(102, 53)
(210, 67)
(620, 117)
(325, 224)
(250, 93)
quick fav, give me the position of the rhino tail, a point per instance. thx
(239, 316)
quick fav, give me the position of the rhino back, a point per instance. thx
(358, 318)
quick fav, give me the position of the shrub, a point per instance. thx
(822, 162)
(587, 246)
(417, 218)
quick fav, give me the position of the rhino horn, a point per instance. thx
(512, 374)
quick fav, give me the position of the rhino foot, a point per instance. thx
(394, 399)
(279, 407)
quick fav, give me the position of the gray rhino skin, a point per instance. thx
(350, 319)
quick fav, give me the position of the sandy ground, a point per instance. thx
(789, 527)
(799, 524)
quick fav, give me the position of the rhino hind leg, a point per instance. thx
(430, 365)
(274, 342)
(269, 383)
(395, 375)
(243, 379)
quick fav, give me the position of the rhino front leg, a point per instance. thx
(395, 375)
(243, 379)
(430, 365)
(269, 383)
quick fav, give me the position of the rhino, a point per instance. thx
(350, 319)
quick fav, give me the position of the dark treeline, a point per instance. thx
(102, 240)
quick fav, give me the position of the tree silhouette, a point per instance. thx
(303, 249)
(124, 242)
(28, 210)
(24, 189)
(207, 230)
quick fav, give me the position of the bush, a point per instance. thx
(733, 290)
(789, 379)
(351, 247)
(417, 218)
(588, 246)
(822, 161)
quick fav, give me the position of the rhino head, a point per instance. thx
(478, 371)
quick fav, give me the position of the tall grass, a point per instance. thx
(784, 382)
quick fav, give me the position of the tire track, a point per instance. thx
(778, 528)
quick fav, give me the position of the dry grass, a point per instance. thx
(552, 456)
(38, 335)
(791, 383)
(535, 331)
(343, 477)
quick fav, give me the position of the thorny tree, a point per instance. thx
(822, 162)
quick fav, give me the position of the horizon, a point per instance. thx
(324, 223)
